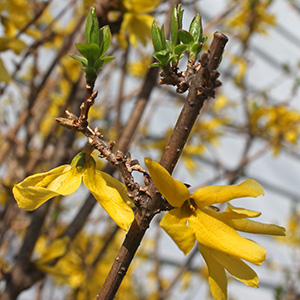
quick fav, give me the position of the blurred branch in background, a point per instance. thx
(251, 129)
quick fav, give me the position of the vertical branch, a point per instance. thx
(18, 279)
(196, 97)
(192, 106)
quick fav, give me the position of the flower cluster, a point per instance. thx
(194, 219)
(64, 180)
(80, 267)
(251, 17)
(278, 124)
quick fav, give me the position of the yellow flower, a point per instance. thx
(79, 269)
(252, 16)
(10, 43)
(193, 219)
(71, 68)
(139, 68)
(241, 65)
(4, 75)
(56, 249)
(136, 22)
(278, 124)
(65, 180)
(140, 6)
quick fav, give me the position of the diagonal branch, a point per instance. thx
(202, 86)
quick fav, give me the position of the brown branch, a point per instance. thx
(170, 156)
(18, 279)
(194, 103)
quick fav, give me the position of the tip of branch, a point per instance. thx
(221, 36)
(216, 49)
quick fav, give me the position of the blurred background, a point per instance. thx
(250, 130)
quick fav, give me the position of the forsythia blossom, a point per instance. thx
(193, 219)
(64, 180)
(279, 124)
(137, 22)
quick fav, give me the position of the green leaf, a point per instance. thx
(105, 38)
(174, 27)
(162, 36)
(196, 48)
(81, 162)
(158, 37)
(196, 28)
(80, 59)
(91, 74)
(170, 46)
(179, 16)
(107, 59)
(90, 51)
(185, 36)
(179, 49)
(162, 56)
(172, 58)
(79, 156)
(203, 40)
(102, 61)
(92, 27)
(156, 64)
(161, 53)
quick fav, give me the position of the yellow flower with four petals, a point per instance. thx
(64, 180)
(193, 219)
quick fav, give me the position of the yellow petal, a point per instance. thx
(177, 216)
(56, 249)
(232, 212)
(4, 75)
(33, 191)
(137, 26)
(15, 44)
(119, 186)
(173, 190)
(256, 227)
(216, 275)
(108, 195)
(67, 183)
(210, 195)
(212, 231)
(140, 6)
(174, 223)
(30, 198)
(236, 267)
